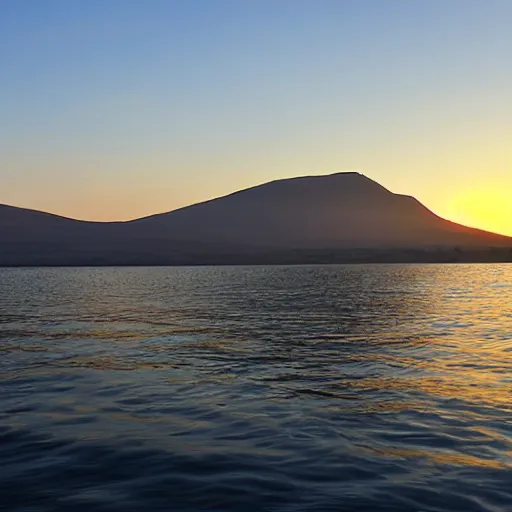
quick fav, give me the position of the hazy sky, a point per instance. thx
(113, 109)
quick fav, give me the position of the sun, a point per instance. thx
(485, 208)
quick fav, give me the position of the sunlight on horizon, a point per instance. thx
(484, 208)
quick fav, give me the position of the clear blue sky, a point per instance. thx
(113, 109)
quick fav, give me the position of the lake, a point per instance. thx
(307, 388)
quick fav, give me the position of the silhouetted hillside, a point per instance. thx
(335, 218)
(335, 211)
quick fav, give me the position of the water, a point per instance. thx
(337, 388)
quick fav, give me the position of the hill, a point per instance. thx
(339, 217)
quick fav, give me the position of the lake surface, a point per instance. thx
(336, 388)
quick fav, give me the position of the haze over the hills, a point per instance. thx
(338, 212)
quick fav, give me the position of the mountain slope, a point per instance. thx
(279, 221)
(338, 210)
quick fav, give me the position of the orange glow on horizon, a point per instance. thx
(484, 208)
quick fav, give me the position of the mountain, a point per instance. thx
(338, 210)
(339, 217)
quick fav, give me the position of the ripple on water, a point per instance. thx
(382, 388)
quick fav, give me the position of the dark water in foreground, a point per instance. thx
(266, 388)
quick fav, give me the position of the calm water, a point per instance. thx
(256, 388)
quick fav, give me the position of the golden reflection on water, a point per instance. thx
(439, 457)
(476, 388)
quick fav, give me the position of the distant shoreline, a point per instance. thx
(288, 258)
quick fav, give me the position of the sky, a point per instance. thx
(115, 109)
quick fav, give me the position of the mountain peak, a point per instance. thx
(346, 182)
(346, 173)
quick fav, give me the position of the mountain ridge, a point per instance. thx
(336, 214)
(265, 185)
